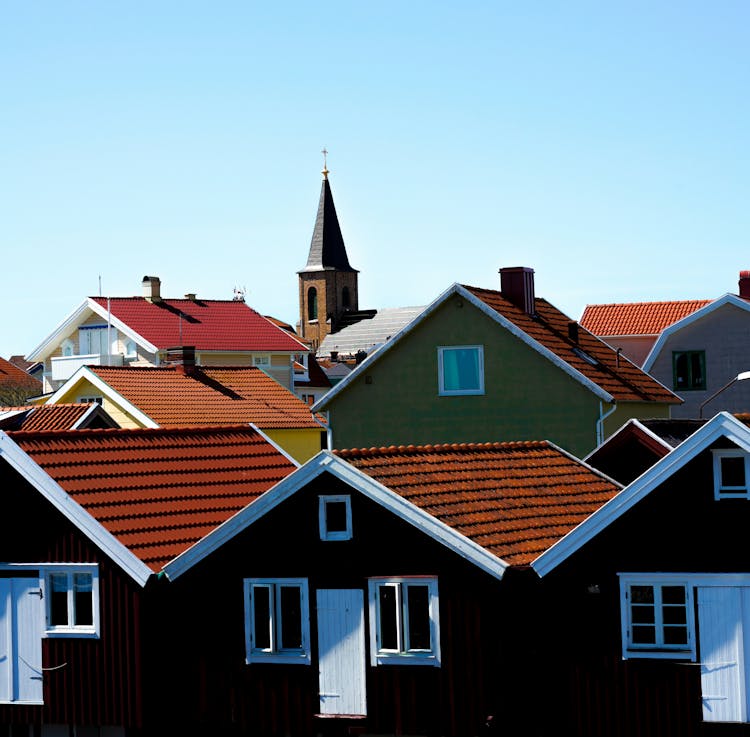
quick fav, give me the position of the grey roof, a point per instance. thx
(327, 249)
(369, 334)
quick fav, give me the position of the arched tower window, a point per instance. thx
(346, 301)
(312, 303)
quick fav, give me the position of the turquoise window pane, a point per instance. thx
(461, 369)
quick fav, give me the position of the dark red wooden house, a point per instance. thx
(642, 614)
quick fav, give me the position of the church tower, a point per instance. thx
(327, 284)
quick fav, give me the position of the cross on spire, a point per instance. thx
(325, 162)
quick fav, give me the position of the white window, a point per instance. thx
(731, 474)
(94, 340)
(72, 601)
(262, 361)
(67, 347)
(335, 517)
(404, 621)
(90, 400)
(460, 370)
(277, 621)
(131, 349)
(657, 617)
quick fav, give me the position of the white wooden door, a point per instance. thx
(341, 651)
(722, 649)
(20, 641)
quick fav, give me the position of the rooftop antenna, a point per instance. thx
(239, 294)
(325, 163)
(100, 285)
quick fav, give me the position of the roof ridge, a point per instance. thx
(439, 448)
(132, 431)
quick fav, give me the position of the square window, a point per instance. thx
(730, 474)
(689, 370)
(335, 517)
(277, 622)
(72, 605)
(656, 618)
(404, 621)
(262, 361)
(460, 370)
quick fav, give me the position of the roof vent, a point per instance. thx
(151, 288)
(191, 296)
(517, 286)
(745, 284)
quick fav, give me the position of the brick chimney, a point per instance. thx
(745, 284)
(151, 288)
(182, 357)
(517, 286)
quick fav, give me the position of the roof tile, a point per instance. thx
(637, 318)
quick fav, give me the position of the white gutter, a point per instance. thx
(600, 423)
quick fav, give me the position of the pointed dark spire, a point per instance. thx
(327, 249)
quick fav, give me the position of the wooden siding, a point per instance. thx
(678, 528)
(212, 686)
(723, 335)
(302, 445)
(526, 396)
(99, 683)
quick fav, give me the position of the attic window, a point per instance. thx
(335, 517)
(460, 370)
(731, 473)
(585, 357)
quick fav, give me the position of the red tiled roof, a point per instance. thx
(50, 416)
(549, 327)
(513, 499)
(209, 325)
(11, 375)
(637, 318)
(209, 396)
(159, 491)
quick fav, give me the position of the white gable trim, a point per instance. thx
(64, 503)
(722, 425)
(50, 343)
(121, 326)
(86, 374)
(359, 481)
(493, 315)
(727, 299)
(622, 428)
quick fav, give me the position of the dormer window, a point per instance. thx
(335, 517)
(731, 474)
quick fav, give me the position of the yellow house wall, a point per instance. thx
(302, 445)
(115, 411)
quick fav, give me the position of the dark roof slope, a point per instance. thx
(327, 249)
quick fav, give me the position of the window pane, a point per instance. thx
(461, 369)
(388, 614)
(418, 599)
(733, 471)
(291, 617)
(674, 615)
(696, 370)
(642, 594)
(681, 371)
(643, 615)
(644, 635)
(83, 592)
(262, 617)
(336, 516)
(58, 599)
(675, 636)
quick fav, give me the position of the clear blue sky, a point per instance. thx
(606, 145)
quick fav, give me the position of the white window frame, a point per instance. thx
(68, 348)
(262, 361)
(70, 630)
(403, 655)
(91, 400)
(730, 492)
(275, 653)
(131, 349)
(660, 649)
(442, 391)
(323, 502)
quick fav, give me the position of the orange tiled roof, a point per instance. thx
(50, 416)
(513, 499)
(549, 327)
(159, 491)
(638, 318)
(209, 325)
(11, 375)
(209, 396)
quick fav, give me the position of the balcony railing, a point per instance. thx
(63, 367)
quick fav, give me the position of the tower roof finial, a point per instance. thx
(325, 162)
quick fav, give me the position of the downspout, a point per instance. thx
(329, 431)
(109, 332)
(600, 422)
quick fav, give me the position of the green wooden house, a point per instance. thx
(481, 365)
